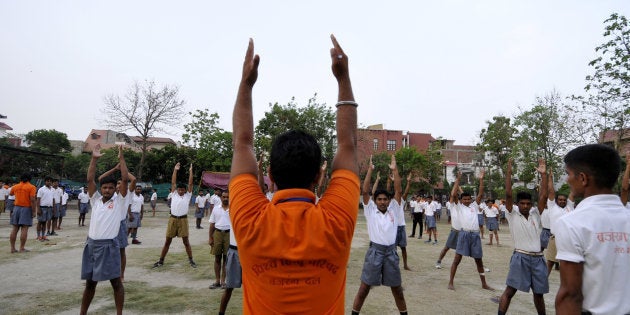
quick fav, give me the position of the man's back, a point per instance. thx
(301, 261)
(597, 234)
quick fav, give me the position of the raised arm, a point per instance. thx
(134, 181)
(544, 185)
(109, 172)
(378, 178)
(124, 173)
(91, 173)
(190, 178)
(480, 195)
(454, 198)
(174, 178)
(366, 183)
(346, 156)
(406, 191)
(390, 180)
(551, 191)
(261, 174)
(244, 158)
(625, 182)
(320, 180)
(509, 202)
(397, 181)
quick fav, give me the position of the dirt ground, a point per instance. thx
(47, 279)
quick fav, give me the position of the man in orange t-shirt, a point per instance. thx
(294, 253)
(24, 210)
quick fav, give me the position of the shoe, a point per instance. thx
(215, 286)
(412, 235)
(486, 269)
(48, 234)
(427, 241)
(438, 266)
(53, 233)
(419, 237)
(192, 264)
(158, 264)
(435, 243)
(223, 286)
(135, 241)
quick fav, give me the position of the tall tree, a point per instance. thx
(146, 109)
(547, 130)
(497, 142)
(48, 141)
(315, 118)
(214, 145)
(607, 98)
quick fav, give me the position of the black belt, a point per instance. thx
(180, 217)
(233, 247)
(222, 231)
(45, 206)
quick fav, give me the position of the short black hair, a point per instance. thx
(489, 200)
(523, 195)
(180, 185)
(108, 180)
(382, 192)
(48, 178)
(564, 195)
(295, 160)
(26, 177)
(464, 194)
(599, 161)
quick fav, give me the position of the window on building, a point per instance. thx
(375, 144)
(391, 145)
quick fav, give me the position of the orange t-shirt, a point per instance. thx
(293, 252)
(23, 193)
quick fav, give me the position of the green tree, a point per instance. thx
(48, 141)
(547, 130)
(160, 163)
(608, 87)
(214, 145)
(146, 109)
(315, 118)
(497, 143)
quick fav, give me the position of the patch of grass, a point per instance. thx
(47, 302)
(176, 262)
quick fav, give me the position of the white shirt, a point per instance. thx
(84, 197)
(597, 234)
(429, 208)
(491, 212)
(221, 218)
(525, 232)
(179, 204)
(415, 208)
(64, 198)
(105, 220)
(216, 201)
(232, 238)
(136, 202)
(467, 215)
(400, 217)
(455, 224)
(3, 193)
(545, 220)
(269, 195)
(382, 227)
(555, 212)
(46, 196)
(200, 201)
(9, 192)
(154, 196)
(58, 194)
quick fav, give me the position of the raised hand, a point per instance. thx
(190, 168)
(371, 166)
(482, 173)
(96, 152)
(392, 164)
(409, 177)
(324, 166)
(339, 60)
(177, 166)
(250, 65)
(542, 166)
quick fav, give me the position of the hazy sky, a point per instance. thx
(439, 67)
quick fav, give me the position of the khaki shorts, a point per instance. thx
(221, 243)
(552, 251)
(177, 227)
(1, 206)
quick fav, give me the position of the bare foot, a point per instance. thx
(13, 251)
(451, 287)
(407, 268)
(487, 287)
(24, 250)
(489, 244)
